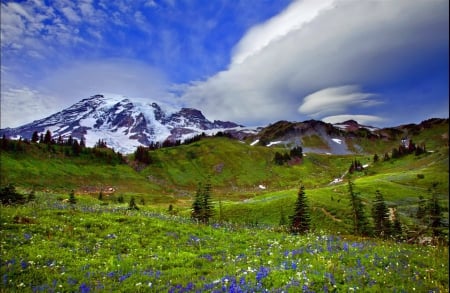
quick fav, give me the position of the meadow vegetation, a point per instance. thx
(99, 221)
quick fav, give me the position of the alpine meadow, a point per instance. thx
(219, 214)
(224, 146)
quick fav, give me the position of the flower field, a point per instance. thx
(51, 246)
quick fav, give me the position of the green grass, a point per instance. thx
(51, 246)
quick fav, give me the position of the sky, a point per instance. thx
(254, 62)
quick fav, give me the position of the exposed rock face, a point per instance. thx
(122, 123)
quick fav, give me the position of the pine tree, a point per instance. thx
(360, 223)
(380, 215)
(132, 204)
(421, 209)
(300, 220)
(375, 158)
(397, 230)
(196, 212)
(72, 199)
(207, 205)
(35, 137)
(31, 195)
(435, 212)
(48, 137)
(202, 209)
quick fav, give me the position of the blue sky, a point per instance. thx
(380, 62)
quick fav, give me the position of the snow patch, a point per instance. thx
(255, 142)
(274, 143)
(88, 122)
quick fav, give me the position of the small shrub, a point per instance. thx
(420, 176)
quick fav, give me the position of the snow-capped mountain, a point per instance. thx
(122, 123)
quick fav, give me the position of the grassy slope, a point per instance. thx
(236, 170)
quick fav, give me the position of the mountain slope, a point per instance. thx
(122, 123)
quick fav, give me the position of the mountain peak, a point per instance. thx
(122, 123)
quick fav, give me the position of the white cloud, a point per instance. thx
(361, 119)
(366, 43)
(63, 86)
(79, 79)
(292, 18)
(335, 100)
(22, 105)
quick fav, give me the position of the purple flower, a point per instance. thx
(262, 273)
(23, 264)
(345, 246)
(84, 288)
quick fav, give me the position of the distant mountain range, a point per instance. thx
(125, 124)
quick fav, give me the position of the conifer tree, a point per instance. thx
(380, 214)
(48, 137)
(132, 204)
(196, 212)
(35, 137)
(72, 199)
(360, 223)
(421, 209)
(202, 209)
(435, 212)
(300, 220)
(207, 205)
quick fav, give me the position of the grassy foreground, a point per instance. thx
(51, 246)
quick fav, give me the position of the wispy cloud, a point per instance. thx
(374, 44)
(336, 100)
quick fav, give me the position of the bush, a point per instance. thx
(9, 195)
(420, 176)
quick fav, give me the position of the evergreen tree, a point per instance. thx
(397, 230)
(82, 142)
(375, 158)
(142, 155)
(380, 214)
(196, 212)
(296, 152)
(100, 195)
(207, 205)
(31, 196)
(435, 212)
(300, 220)
(278, 159)
(9, 195)
(132, 204)
(35, 137)
(72, 199)
(421, 209)
(48, 137)
(76, 149)
(360, 223)
(202, 209)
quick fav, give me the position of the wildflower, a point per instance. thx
(345, 247)
(23, 264)
(84, 288)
